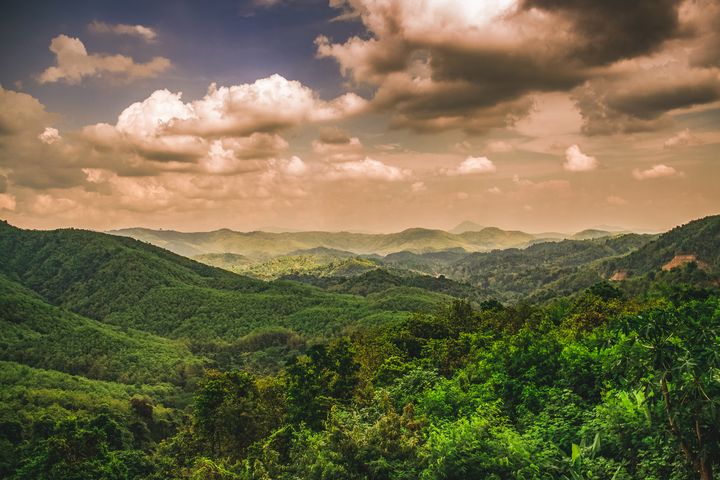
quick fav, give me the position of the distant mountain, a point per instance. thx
(266, 245)
(466, 226)
(590, 234)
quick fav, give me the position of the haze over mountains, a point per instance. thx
(467, 236)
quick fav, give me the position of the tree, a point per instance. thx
(682, 347)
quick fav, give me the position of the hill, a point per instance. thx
(466, 226)
(37, 334)
(264, 244)
(125, 282)
(697, 241)
(515, 273)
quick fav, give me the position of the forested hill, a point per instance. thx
(97, 274)
(696, 242)
(129, 283)
(123, 361)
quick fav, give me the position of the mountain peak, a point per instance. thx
(466, 226)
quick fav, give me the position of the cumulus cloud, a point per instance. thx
(225, 127)
(577, 161)
(681, 139)
(139, 31)
(49, 136)
(267, 105)
(26, 160)
(455, 64)
(473, 165)
(657, 171)
(73, 64)
(369, 169)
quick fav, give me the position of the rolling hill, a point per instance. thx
(264, 244)
(134, 285)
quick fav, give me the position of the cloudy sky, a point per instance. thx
(365, 115)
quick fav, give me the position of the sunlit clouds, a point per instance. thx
(367, 114)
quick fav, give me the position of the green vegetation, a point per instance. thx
(204, 374)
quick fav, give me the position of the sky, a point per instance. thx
(360, 115)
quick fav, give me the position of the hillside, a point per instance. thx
(515, 273)
(37, 334)
(265, 244)
(131, 284)
(699, 239)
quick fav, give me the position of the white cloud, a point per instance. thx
(294, 166)
(49, 135)
(577, 161)
(367, 169)
(657, 171)
(74, 64)
(267, 105)
(681, 139)
(140, 31)
(245, 117)
(473, 165)
(494, 190)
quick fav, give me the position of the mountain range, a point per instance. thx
(268, 244)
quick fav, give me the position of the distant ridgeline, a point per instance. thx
(480, 353)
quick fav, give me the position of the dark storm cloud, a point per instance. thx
(457, 65)
(610, 30)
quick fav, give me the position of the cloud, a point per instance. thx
(49, 136)
(26, 160)
(657, 171)
(368, 169)
(473, 165)
(577, 161)
(607, 31)
(336, 145)
(455, 64)
(139, 31)
(499, 146)
(267, 105)
(73, 64)
(637, 97)
(681, 139)
(225, 127)
(615, 200)
(418, 187)
(20, 113)
(7, 202)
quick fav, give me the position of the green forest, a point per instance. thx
(575, 359)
